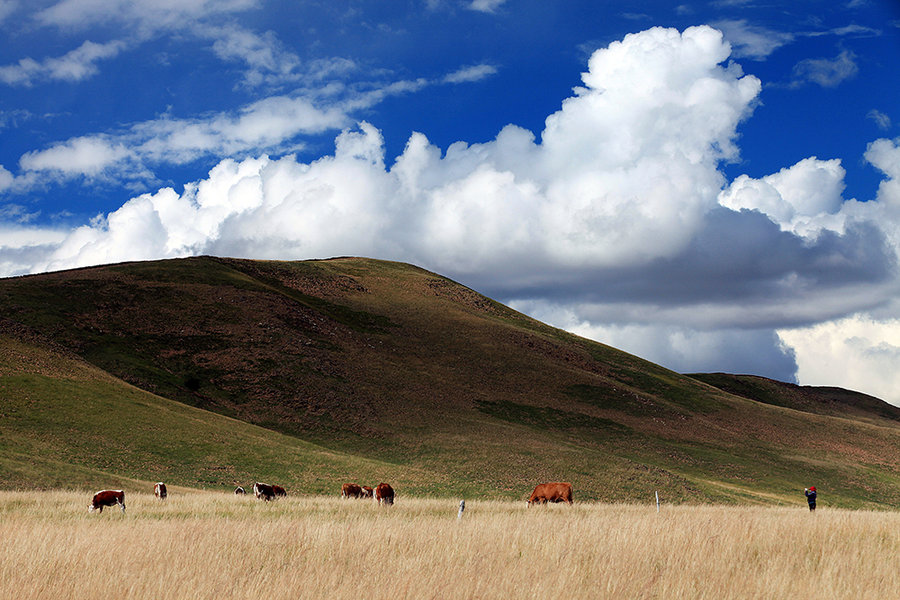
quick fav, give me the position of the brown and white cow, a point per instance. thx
(263, 491)
(279, 491)
(367, 492)
(351, 490)
(239, 491)
(384, 494)
(551, 492)
(107, 498)
(159, 490)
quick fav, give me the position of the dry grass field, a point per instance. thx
(211, 545)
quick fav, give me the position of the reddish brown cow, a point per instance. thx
(551, 492)
(351, 490)
(263, 491)
(279, 491)
(384, 494)
(107, 498)
(239, 491)
(367, 492)
(159, 490)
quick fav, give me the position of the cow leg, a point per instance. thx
(122, 504)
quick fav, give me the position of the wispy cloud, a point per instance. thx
(752, 41)
(881, 120)
(7, 7)
(470, 74)
(274, 124)
(851, 30)
(266, 58)
(143, 17)
(855, 30)
(825, 72)
(265, 125)
(13, 118)
(16, 213)
(487, 6)
(73, 66)
(758, 42)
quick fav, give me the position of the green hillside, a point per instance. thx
(67, 424)
(206, 371)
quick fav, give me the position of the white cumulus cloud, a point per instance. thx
(623, 172)
(862, 352)
(616, 221)
(802, 198)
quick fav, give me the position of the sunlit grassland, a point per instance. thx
(213, 545)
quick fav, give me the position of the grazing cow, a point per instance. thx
(384, 494)
(239, 491)
(263, 491)
(351, 490)
(159, 490)
(107, 498)
(367, 492)
(551, 492)
(279, 491)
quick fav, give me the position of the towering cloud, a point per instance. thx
(617, 221)
(623, 174)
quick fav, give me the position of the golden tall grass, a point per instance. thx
(210, 545)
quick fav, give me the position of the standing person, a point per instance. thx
(811, 497)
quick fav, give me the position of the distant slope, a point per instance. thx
(819, 400)
(393, 367)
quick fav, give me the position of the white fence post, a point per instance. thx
(462, 507)
(657, 501)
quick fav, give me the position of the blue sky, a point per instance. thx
(710, 185)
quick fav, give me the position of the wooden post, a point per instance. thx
(462, 507)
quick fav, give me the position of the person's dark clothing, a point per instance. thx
(811, 499)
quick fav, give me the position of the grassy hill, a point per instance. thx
(207, 372)
(67, 424)
(831, 401)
